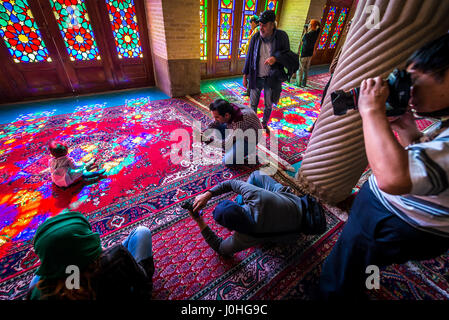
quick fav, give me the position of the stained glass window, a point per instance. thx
(338, 27)
(327, 28)
(73, 22)
(224, 30)
(20, 32)
(248, 11)
(272, 5)
(203, 29)
(122, 14)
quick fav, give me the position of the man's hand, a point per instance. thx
(386, 156)
(245, 81)
(201, 201)
(270, 61)
(406, 128)
(373, 96)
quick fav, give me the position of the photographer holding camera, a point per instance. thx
(264, 212)
(402, 212)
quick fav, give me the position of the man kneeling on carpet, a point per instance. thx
(265, 211)
(75, 267)
(64, 170)
(238, 129)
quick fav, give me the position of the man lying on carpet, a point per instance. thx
(402, 212)
(123, 271)
(264, 212)
(238, 129)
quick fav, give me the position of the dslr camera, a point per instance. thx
(399, 83)
(188, 205)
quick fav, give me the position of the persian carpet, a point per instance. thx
(132, 142)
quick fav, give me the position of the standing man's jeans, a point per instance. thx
(301, 74)
(262, 84)
(138, 243)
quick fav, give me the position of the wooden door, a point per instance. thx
(85, 46)
(332, 24)
(224, 28)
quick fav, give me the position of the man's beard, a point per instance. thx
(435, 114)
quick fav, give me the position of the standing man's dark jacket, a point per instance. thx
(281, 46)
(308, 43)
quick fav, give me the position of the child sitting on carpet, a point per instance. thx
(66, 242)
(64, 170)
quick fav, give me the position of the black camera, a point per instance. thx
(399, 83)
(188, 205)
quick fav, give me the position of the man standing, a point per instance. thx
(306, 52)
(262, 68)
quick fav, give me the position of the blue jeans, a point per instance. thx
(138, 244)
(372, 236)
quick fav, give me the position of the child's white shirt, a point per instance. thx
(64, 171)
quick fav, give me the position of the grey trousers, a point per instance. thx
(301, 74)
(261, 84)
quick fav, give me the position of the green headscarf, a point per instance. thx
(63, 240)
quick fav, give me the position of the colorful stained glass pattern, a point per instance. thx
(122, 14)
(338, 28)
(272, 5)
(247, 13)
(327, 28)
(203, 29)
(73, 22)
(224, 29)
(20, 32)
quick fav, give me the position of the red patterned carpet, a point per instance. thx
(143, 187)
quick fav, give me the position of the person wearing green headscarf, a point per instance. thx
(66, 244)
